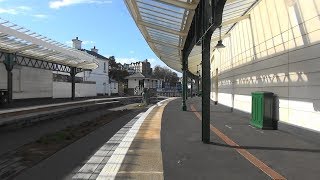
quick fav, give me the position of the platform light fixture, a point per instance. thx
(220, 44)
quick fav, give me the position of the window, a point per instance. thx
(104, 67)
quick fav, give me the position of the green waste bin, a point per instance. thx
(262, 110)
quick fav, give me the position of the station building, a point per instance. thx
(99, 75)
(275, 49)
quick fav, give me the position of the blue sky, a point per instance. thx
(106, 24)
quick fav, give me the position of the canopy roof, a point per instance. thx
(16, 39)
(165, 25)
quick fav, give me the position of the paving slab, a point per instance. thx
(186, 157)
(287, 153)
(144, 157)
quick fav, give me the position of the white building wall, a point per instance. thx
(100, 76)
(159, 83)
(277, 50)
(154, 83)
(3, 76)
(147, 83)
(63, 90)
(133, 83)
(28, 82)
(114, 87)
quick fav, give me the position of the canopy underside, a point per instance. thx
(18, 40)
(165, 25)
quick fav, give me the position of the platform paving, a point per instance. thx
(165, 143)
(144, 157)
(185, 157)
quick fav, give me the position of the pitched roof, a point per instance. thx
(95, 54)
(135, 75)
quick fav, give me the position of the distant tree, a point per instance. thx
(166, 74)
(118, 74)
(116, 71)
(112, 62)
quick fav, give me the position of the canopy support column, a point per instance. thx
(191, 90)
(184, 81)
(206, 84)
(198, 85)
(73, 82)
(187, 89)
(9, 63)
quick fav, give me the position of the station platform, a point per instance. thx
(52, 103)
(165, 143)
(33, 113)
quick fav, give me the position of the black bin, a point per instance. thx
(4, 97)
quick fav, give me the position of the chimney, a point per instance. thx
(94, 49)
(76, 43)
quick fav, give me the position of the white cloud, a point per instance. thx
(84, 43)
(131, 52)
(24, 8)
(62, 3)
(40, 16)
(8, 11)
(16, 10)
(88, 42)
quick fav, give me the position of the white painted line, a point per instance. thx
(140, 172)
(105, 151)
(113, 165)
(59, 104)
(260, 131)
(228, 126)
(110, 102)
